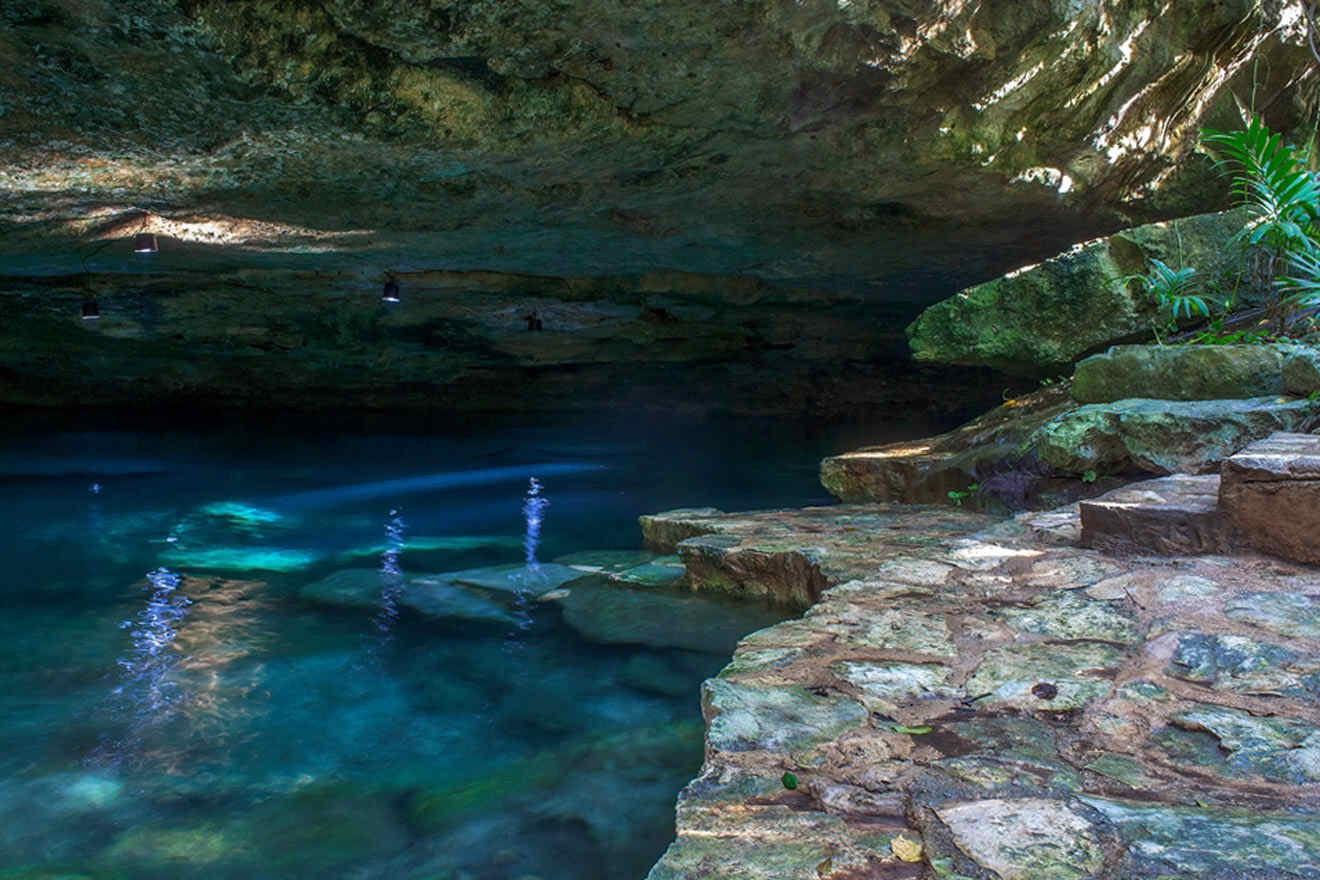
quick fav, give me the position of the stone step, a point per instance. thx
(1270, 492)
(1168, 516)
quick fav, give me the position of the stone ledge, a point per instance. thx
(1017, 707)
(1270, 492)
(1169, 516)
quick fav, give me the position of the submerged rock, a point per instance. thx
(239, 559)
(536, 580)
(612, 614)
(430, 597)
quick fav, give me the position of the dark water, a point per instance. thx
(171, 706)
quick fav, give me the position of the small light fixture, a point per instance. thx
(91, 311)
(144, 243)
(391, 292)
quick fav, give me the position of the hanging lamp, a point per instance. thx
(391, 292)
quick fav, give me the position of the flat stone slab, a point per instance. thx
(1002, 703)
(792, 556)
(1169, 516)
(1270, 492)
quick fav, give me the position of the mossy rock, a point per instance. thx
(1040, 319)
(1181, 372)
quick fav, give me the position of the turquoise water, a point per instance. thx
(242, 651)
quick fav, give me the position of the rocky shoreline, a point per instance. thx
(968, 697)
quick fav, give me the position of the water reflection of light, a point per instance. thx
(391, 582)
(533, 508)
(146, 692)
(533, 511)
(184, 695)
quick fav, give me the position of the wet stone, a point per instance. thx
(664, 571)
(605, 560)
(535, 580)
(363, 588)
(441, 600)
(618, 615)
(1236, 744)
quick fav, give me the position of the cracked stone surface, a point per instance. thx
(1023, 706)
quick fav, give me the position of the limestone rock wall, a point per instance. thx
(859, 142)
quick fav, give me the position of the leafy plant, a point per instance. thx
(957, 495)
(1283, 197)
(1176, 290)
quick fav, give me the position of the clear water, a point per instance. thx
(170, 706)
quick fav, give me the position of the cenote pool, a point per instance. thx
(242, 651)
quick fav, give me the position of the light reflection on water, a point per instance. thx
(391, 585)
(234, 729)
(147, 695)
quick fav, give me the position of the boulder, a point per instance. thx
(1271, 493)
(1163, 436)
(1183, 372)
(1039, 319)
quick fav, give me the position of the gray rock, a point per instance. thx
(1222, 843)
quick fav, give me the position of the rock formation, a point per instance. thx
(890, 149)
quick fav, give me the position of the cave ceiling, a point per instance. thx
(832, 143)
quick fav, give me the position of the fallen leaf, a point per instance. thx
(911, 731)
(906, 850)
